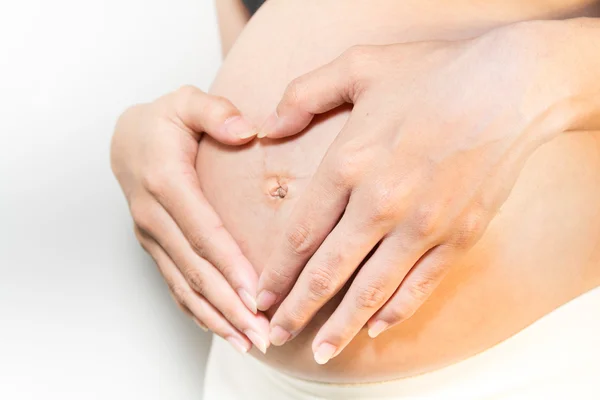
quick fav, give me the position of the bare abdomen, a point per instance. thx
(540, 251)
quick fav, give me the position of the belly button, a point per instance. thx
(277, 187)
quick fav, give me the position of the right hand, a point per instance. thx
(153, 156)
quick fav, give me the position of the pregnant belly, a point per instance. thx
(539, 252)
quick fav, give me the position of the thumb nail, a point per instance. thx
(240, 127)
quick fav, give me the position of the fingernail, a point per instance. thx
(279, 336)
(238, 344)
(200, 324)
(240, 127)
(377, 328)
(248, 300)
(265, 300)
(269, 126)
(324, 353)
(258, 341)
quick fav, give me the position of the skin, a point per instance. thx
(152, 156)
(424, 202)
(529, 261)
(289, 164)
(153, 151)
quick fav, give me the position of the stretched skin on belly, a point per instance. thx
(540, 251)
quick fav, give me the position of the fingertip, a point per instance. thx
(239, 128)
(248, 300)
(324, 353)
(259, 342)
(269, 127)
(377, 328)
(265, 300)
(239, 344)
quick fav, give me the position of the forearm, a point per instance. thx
(584, 34)
(564, 94)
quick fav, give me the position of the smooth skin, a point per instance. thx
(153, 155)
(421, 167)
(153, 141)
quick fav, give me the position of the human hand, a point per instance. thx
(437, 137)
(153, 156)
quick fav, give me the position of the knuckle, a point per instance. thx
(179, 292)
(294, 317)
(350, 163)
(276, 278)
(295, 91)
(385, 202)
(155, 181)
(370, 297)
(198, 242)
(196, 280)
(418, 292)
(140, 212)
(187, 91)
(470, 230)
(413, 296)
(184, 95)
(218, 108)
(427, 220)
(321, 284)
(139, 235)
(300, 240)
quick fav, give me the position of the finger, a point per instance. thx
(328, 270)
(200, 112)
(187, 312)
(317, 92)
(314, 216)
(193, 304)
(374, 284)
(415, 289)
(180, 194)
(203, 277)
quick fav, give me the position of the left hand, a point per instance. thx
(436, 140)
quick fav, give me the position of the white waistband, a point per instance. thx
(557, 357)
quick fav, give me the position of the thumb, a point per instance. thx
(314, 93)
(216, 116)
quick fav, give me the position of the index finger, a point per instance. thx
(315, 215)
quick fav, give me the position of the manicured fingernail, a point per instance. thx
(238, 344)
(324, 353)
(240, 127)
(279, 336)
(377, 328)
(260, 343)
(248, 300)
(265, 300)
(200, 324)
(269, 126)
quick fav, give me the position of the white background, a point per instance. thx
(84, 313)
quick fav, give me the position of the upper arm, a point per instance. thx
(232, 16)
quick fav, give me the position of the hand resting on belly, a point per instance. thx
(528, 262)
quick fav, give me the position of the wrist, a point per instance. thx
(562, 62)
